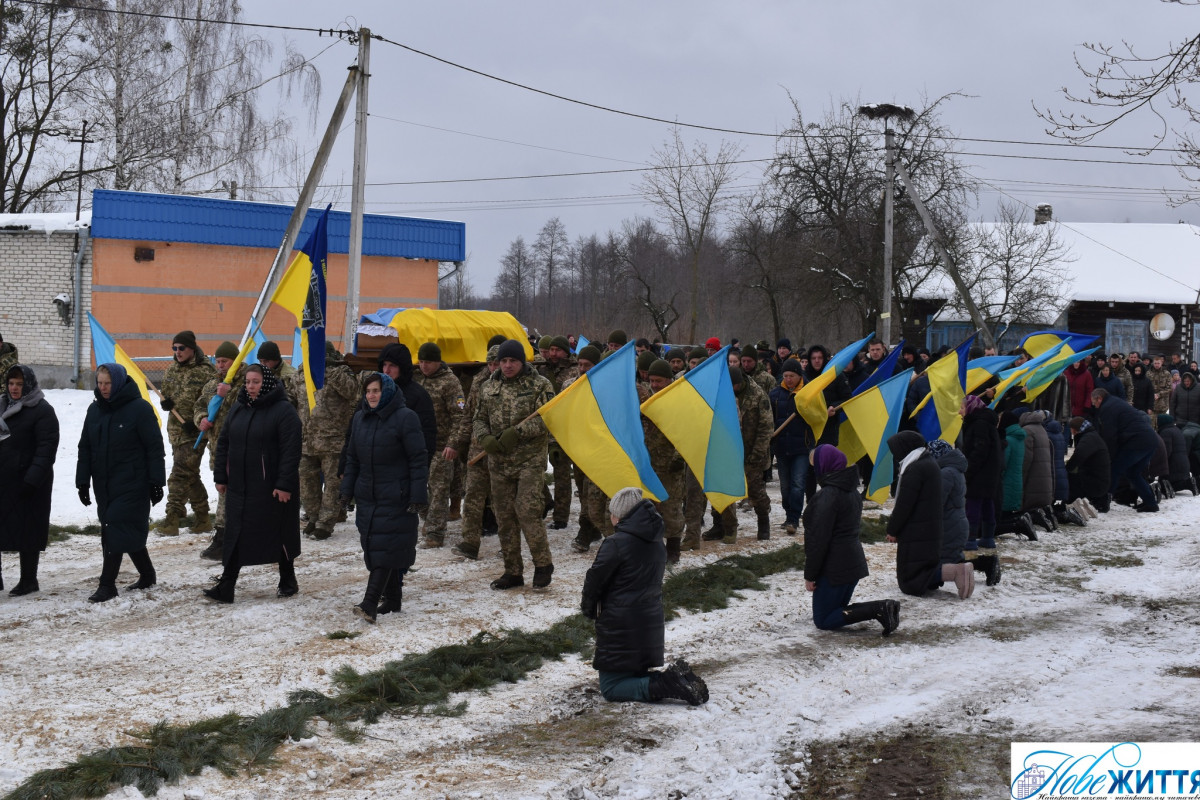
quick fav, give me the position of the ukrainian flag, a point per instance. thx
(981, 370)
(597, 422)
(1038, 380)
(848, 441)
(302, 292)
(939, 419)
(698, 414)
(1039, 342)
(1010, 377)
(107, 351)
(875, 415)
(810, 402)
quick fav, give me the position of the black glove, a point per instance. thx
(418, 508)
(167, 404)
(346, 500)
(156, 495)
(84, 496)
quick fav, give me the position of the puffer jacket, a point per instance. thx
(622, 591)
(1058, 441)
(916, 520)
(1037, 466)
(1185, 400)
(1179, 471)
(1090, 464)
(982, 445)
(831, 524)
(953, 465)
(1014, 460)
(1081, 383)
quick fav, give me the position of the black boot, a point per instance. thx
(885, 612)
(717, 532)
(146, 574)
(287, 578)
(673, 550)
(369, 606)
(685, 671)
(223, 591)
(216, 548)
(541, 576)
(29, 568)
(671, 685)
(108, 579)
(764, 527)
(393, 593)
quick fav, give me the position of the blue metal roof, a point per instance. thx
(178, 218)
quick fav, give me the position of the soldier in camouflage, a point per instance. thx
(477, 482)
(324, 432)
(560, 366)
(1160, 377)
(8, 356)
(269, 357)
(216, 386)
(668, 464)
(756, 370)
(180, 387)
(514, 437)
(757, 423)
(448, 404)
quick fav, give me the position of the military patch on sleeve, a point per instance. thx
(460, 402)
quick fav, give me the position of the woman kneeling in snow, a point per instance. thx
(623, 593)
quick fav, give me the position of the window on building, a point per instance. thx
(1196, 341)
(1123, 335)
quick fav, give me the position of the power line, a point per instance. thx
(59, 6)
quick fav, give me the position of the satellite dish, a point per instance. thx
(1162, 327)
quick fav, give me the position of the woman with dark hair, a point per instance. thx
(257, 467)
(834, 562)
(982, 446)
(121, 455)
(386, 474)
(28, 446)
(1105, 379)
(1143, 389)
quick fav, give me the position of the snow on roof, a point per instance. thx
(50, 222)
(1120, 262)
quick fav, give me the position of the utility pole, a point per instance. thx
(885, 314)
(357, 191)
(77, 265)
(84, 141)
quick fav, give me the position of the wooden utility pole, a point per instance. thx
(885, 313)
(357, 191)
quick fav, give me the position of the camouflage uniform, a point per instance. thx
(566, 370)
(671, 469)
(1161, 379)
(448, 404)
(200, 413)
(763, 377)
(8, 359)
(694, 503)
(517, 477)
(757, 423)
(324, 435)
(476, 481)
(182, 385)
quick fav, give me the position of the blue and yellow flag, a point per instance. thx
(107, 351)
(698, 414)
(1012, 377)
(938, 418)
(848, 441)
(810, 402)
(875, 415)
(981, 370)
(597, 422)
(1040, 379)
(256, 341)
(302, 292)
(1039, 342)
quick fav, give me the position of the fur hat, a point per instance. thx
(429, 352)
(187, 339)
(624, 501)
(511, 349)
(269, 351)
(226, 350)
(661, 368)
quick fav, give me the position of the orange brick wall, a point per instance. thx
(211, 289)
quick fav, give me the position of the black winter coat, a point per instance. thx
(1124, 428)
(916, 520)
(985, 455)
(1090, 465)
(832, 519)
(1058, 440)
(27, 474)
(1159, 464)
(387, 471)
(417, 399)
(121, 455)
(622, 591)
(1185, 401)
(258, 452)
(1143, 393)
(1179, 470)
(955, 528)
(1112, 384)
(1037, 470)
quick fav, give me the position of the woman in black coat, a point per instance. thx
(28, 446)
(916, 520)
(1143, 389)
(833, 556)
(257, 467)
(121, 455)
(1089, 469)
(622, 592)
(982, 446)
(386, 474)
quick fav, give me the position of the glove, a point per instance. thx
(491, 445)
(418, 508)
(167, 404)
(346, 500)
(156, 495)
(84, 496)
(509, 440)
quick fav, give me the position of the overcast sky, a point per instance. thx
(723, 64)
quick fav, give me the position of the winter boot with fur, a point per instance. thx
(216, 548)
(885, 612)
(146, 574)
(203, 523)
(369, 606)
(223, 591)
(29, 569)
(393, 594)
(963, 576)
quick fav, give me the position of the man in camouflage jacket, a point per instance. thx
(1160, 377)
(560, 367)
(668, 464)
(446, 392)
(757, 423)
(477, 482)
(8, 356)
(180, 387)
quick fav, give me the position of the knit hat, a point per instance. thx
(645, 359)
(499, 338)
(227, 350)
(625, 501)
(939, 447)
(697, 352)
(511, 349)
(750, 351)
(713, 343)
(784, 343)
(736, 376)
(661, 368)
(590, 353)
(792, 365)
(618, 337)
(545, 342)
(269, 351)
(493, 354)
(429, 352)
(561, 343)
(187, 339)
(763, 345)
(676, 352)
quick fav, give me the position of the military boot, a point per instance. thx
(691, 541)
(717, 532)
(455, 509)
(169, 526)
(764, 527)
(216, 548)
(673, 550)
(203, 523)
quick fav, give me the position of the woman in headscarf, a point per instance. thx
(953, 466)
(121, 455)
(834, 562)
(916, 520)
(28, 446)
(257, 466)
(386, 475)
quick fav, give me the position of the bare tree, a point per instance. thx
(763, 254)
(551, 253)
(512, 285)
(456, 290)
(650, 266)
(688, 187)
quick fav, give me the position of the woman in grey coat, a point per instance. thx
(955, 527)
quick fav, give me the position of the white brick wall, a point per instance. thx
(34, 267)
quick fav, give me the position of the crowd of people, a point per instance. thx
(409, 449)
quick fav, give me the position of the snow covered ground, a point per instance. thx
(1090, 637)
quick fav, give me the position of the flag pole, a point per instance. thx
(483, 455)
(154, 389)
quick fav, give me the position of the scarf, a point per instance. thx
(910, 458)
(270, 382)
(31, 395)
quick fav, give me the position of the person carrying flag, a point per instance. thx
(185, 379)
